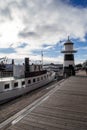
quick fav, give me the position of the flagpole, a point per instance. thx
(42, 58)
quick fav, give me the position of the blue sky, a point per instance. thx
(28, 27)
(79, 3)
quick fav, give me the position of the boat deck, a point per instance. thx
(6, 79)
(63, 108)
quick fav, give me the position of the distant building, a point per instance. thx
(53, 67)
(84, 64)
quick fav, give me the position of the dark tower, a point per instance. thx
(26, 64)
(12, 61)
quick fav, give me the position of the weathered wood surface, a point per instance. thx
(9, 109)
(66, 109)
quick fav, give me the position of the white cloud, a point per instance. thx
(39, 21)
(82, 48)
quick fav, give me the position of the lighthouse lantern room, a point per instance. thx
(69, 65)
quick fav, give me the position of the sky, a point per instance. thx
(30, 27)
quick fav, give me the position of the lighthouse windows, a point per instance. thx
(69, 57)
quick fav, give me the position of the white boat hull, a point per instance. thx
(10, 94)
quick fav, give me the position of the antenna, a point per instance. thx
(68, 37)
(42, 57)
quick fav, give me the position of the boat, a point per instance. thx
(17, 80)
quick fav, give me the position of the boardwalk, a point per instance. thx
(63, 108)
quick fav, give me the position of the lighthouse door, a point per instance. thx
(71, 69)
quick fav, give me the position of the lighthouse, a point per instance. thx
(69, 65)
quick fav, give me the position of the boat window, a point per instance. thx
(16, 84)
(41, 78)
(44, 77)
(34, 80)
(23, 82)
(6, 86)
(29, 81)
(38, 79)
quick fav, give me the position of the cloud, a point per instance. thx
(47, 47)
(82, 48)
(38, 22)
(55, 18)
(5, 12)
(28, 34)
(22, 45)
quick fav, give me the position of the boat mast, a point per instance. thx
(42, 58)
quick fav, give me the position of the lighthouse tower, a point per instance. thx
(68, 58)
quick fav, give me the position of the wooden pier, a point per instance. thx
(62, 108)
